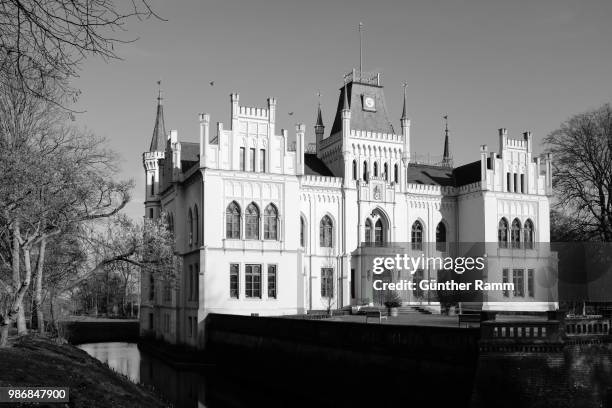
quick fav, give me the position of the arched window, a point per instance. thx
(270, 222)
(251, 222)
(417, 235)
(354, 169)
(152, 184)
(386, 172)
(396, 173)
(365, 171)
(516, 233)
(441, 237)
(232, 221)
(170, 223)
(379, 233)
(528, 234)
(368, 231)
(302, 232)
(375, 169)
(196, 225)
(190, 226)
(326, 230)
(502, 233)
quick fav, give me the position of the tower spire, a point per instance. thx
(158, 141)
(446, 158)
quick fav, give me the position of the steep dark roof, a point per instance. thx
(444, 176)
(467, 174)
(313, 166)
(432, 175)
(377, 121)
(190, 155)
(158, 141)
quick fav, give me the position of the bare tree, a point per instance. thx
(582, 163)
(43, 42)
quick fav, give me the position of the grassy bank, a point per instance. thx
(32, 361)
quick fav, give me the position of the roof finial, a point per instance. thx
(446, 158)
(404, 85)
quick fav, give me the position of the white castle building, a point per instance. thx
(270, 227)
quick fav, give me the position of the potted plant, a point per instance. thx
(392, 303)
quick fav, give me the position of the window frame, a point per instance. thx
(272, 291)
(326, 232)
(235, 274)
(327, 282)
(251, 221)
(252, 281)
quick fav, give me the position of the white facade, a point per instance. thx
(270, 228)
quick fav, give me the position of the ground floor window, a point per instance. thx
(252, 281)
(272, 287)
(327, 282)
(151, 321)
(530, 286)
(505, 279)
(166, 323)
(518, 279)
(190, 326)
(234, 280)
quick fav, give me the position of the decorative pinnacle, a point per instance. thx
(346, 105)
(404, 85)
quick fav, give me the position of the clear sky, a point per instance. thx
(520, 64)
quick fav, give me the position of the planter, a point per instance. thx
(393, 311)
(355, 309)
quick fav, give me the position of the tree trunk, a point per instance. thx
(4, 331)
(38, 287)
(20, 314)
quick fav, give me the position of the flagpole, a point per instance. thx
(360, 49)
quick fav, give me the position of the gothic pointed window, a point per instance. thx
(368, 231)
(386, 172)
(395, 174)
(379, 233)
(354, 170)
(302, 232)
(417, 235)
(190, 227)
(252, 222)
(326, 229)
(196, 225)
(153, 185)
(502, 233)
(271, 222)
(441, 237)
(375, 169)
(232, 221)
(528, 234)
(516, 233)
(365, 171)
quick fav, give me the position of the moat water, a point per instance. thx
(575, 377)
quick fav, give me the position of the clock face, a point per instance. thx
(368, 103)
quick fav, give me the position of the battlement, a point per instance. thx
(381, 137)
(321, 181)
(369, 78)
(254, 112)
(517, 144)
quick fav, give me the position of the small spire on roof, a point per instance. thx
(446, 158)
(319, 115)
(345, 106)
(404, 85)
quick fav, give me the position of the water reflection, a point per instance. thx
(184, 389)
(121, 357)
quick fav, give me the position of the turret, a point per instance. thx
(151, 159)
(204, 137)
(346, 121)
(300, 129)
